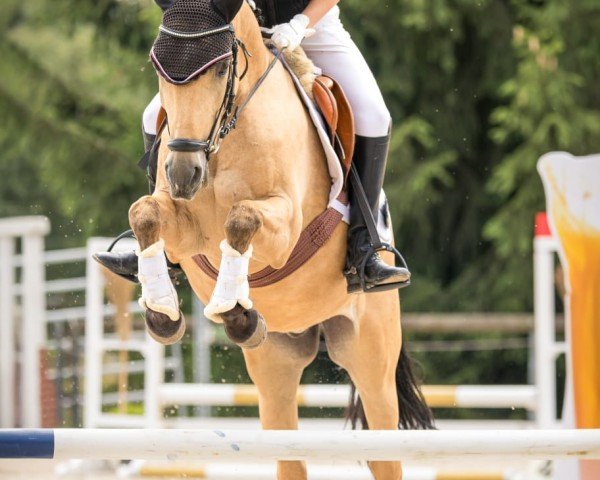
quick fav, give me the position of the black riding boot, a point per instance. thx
(125, 264)
(370, 155)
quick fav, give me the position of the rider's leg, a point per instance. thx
(126, 263)
(334, 52)
(149, 120)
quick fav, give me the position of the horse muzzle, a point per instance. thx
(185, 167)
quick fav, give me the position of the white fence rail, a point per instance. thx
(30, 233)
(271, 445)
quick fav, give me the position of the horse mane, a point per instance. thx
(302, 66)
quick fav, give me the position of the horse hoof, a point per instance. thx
(164, 330)
(247, 328)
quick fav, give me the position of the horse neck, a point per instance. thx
(248, 31)
(278, 89)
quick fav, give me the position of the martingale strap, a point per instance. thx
(314, 236)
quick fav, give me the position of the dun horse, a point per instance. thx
(243, 200)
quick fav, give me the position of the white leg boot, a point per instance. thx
(158, 292)
(232, 283)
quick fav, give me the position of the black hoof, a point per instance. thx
(247, 328)
(164, 330)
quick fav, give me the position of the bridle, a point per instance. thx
(227, 115)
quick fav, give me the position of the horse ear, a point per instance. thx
(164, 4)
(228, 8)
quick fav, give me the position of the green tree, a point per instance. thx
(74, 81)
(479, 90)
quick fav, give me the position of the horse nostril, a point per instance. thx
(197, 174)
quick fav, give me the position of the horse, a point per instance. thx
(255, 192)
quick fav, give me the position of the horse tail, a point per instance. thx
(414, 412)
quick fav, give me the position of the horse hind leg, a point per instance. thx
(164, 320)
(276, 367)
(369, 350)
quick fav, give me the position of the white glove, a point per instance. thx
(290, 34)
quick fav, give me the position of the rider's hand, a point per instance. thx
(290, 34)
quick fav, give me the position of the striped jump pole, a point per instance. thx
(261, 471)
(270, 445)
(449, 396)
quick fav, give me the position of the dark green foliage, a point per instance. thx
(71, 93)
(479, 90)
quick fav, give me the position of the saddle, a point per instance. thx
(337, 113)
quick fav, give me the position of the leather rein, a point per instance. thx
(228, 113)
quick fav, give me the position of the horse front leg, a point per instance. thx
(164, 319)
(262, 225)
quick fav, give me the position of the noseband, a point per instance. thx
(228, 113)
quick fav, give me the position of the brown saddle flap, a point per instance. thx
(327, 103)
(335, 108)
(160, 120)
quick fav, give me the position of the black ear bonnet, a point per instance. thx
(193, 36)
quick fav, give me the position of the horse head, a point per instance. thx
(195, 55)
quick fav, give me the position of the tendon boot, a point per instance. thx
(125, 264)
(370, 155)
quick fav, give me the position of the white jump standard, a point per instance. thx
(271, 445)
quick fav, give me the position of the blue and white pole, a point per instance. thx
(21, 443)
(270, 445)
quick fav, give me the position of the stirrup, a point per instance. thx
(372, 288)
(174, 268)
(125, 234)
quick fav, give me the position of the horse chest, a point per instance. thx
(231, 187)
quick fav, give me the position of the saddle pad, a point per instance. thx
(333, 163)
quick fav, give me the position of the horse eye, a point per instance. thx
(222, 68)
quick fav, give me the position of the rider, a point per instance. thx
(316, 26)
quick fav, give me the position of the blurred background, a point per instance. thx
(478, 90)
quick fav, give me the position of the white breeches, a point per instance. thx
(150, 115)
(332, 50)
